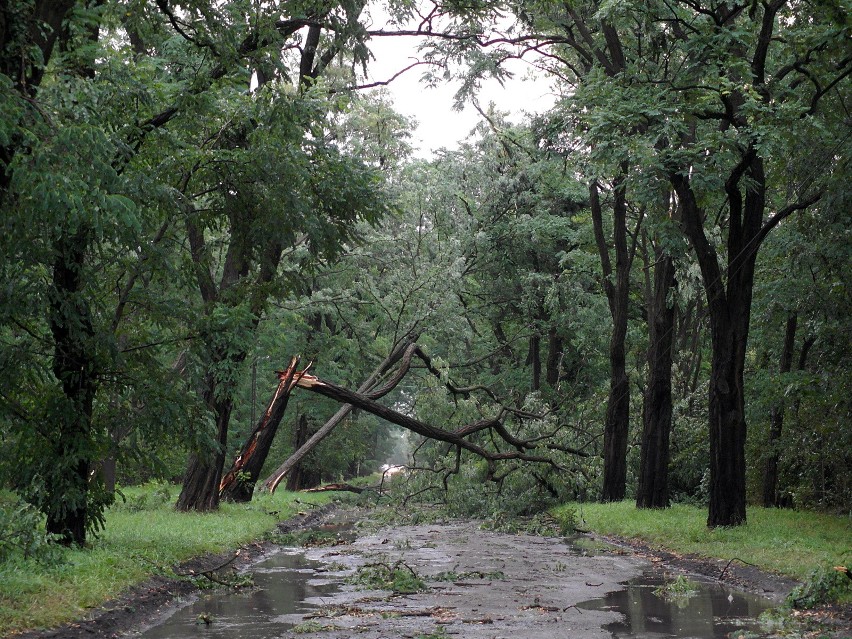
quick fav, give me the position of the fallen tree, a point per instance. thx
(522, 449)
(336, 488)
(238, 483)
(458, 437)
(370, 386)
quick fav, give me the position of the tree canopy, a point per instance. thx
(643, 291)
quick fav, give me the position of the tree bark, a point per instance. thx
(730, 314)
(616, 285)
(776, 419)
(75, 369)
(200, 490)
(534, 360)
(653, 486)
(554, 357)
(299, 478)
(238, 483)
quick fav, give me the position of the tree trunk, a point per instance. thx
(74, 368)
(299, 478)
(653, 488)
(554, 357)
(534, 360)
(616, 285)
(730, 313)
(727, 424)
(776, 419)
(238, 483)
(203, 474)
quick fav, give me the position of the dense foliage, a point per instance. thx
(648, 286)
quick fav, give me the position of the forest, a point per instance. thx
(642, 293)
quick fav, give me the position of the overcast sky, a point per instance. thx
(438, 124)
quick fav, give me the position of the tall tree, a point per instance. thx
(53, 218)
(759, 91)
(616, 284)
(652, 490)
(334, 194)
(705, 95)
(776, 418)
(101, 161)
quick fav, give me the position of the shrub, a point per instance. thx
(22, 533)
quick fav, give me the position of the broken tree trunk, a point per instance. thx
(238, 483)
(400, 351)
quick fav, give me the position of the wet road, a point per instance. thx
(479, 584)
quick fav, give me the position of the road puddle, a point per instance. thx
(712, 612)
(283, 585)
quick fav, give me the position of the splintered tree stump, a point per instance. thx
(238, 483)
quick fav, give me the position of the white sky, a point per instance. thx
(438, 124)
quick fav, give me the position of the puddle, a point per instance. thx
(284, 581)
(714, 612)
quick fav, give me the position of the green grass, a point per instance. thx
(789, 542)
(143, 536)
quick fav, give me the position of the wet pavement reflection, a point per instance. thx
(713, 612)
(283, 583)
(287, 581)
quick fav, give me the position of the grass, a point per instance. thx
(143, 536)
(789, 542)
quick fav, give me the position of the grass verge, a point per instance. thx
(143, 536)
(792, 543)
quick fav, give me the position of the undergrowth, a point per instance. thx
(516, 503)
(824, 585)
(22, 534)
